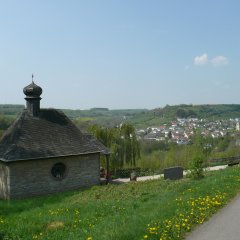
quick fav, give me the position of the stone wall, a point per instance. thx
(4, 181)
(33, 177)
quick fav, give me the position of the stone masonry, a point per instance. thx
(33, 178)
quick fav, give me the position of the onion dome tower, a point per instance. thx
(33, 93)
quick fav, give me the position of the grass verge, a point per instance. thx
(156, 209)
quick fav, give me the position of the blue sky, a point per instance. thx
(122, 53)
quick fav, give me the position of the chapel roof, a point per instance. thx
(50, 134)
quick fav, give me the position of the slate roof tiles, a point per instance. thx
(51, 134)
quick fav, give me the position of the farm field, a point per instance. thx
(156, 209)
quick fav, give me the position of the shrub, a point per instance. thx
(196, 167)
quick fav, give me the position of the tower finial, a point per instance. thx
(32, 78)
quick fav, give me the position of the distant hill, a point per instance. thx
(10, 109)
(139, 117)
(201, 111)
(168, 113)
(102, 116)
(83, 118)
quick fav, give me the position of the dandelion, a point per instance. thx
(197, 211)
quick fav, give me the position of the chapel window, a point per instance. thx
(58, 171)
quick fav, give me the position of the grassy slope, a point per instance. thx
(117, 211)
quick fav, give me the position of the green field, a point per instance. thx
(156, 209)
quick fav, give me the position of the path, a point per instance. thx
(224, 225)
(125, 180)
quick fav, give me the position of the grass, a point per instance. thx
(156, 209)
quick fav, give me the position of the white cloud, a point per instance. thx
(201, 60)
(216, 61)
(219, 61)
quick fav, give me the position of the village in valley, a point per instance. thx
(181, 130)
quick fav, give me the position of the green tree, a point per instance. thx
(223, 144)
(130, 144)
(181, 113)
(5, 122)
(196, 167)
(122, 142)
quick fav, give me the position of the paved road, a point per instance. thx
(224, 225)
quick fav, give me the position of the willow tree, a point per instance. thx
(122, 142)
(105, 135)
(131, 146)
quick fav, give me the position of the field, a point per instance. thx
(156, 209)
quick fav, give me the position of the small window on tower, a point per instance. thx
(58, 171)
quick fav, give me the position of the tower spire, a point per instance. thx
(32, 78)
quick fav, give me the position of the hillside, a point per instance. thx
(10, 109)
(102, 116)
(168, 113)
(144, 118)
(156, 209)
(140, 117)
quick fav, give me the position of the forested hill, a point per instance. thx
(10, 109)
(145, 118)
(139, 117)
(201, 111)
(83, 118)
(169, 113)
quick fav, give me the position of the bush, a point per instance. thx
(196, 167)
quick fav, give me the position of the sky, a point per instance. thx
(120, 54)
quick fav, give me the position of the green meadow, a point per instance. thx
(156, 209)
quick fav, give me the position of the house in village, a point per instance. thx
(43, 152)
